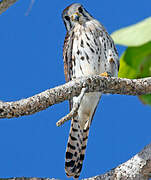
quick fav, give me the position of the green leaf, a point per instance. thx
(126, 70)
(136, 63)
(135, 35)
(145, 99)
(136, 60)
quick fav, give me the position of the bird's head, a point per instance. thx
(75, 13)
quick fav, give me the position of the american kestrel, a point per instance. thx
(88, 50)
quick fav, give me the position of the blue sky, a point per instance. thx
(31, 62)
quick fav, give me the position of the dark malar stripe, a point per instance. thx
(84, 15)
(70, 24)
(66, 24)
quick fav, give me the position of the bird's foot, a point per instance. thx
(105, 74)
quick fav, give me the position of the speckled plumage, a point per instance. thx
(88, 49)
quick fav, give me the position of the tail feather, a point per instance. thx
(83, 149)
(78, 136)
(85, 134)
(76, 148)
(73, 147)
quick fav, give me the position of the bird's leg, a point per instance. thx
(75, 108)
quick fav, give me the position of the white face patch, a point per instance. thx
(75, 14)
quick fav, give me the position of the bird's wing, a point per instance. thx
(110, 51)
(113, 52)
(67, 58)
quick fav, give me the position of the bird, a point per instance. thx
(88, 50)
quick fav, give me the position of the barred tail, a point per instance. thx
(76, 148)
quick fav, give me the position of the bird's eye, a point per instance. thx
(80, 10)
(67, 18)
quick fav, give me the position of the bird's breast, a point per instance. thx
(87, 56)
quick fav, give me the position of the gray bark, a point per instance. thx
(64, 92)
(136, 168)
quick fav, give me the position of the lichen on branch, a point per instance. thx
(73, 88)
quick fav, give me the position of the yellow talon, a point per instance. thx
(105, 74)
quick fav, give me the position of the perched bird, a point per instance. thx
(88, 50)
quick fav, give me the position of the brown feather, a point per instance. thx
(68, 61)
(65, 58)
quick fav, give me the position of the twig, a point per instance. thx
(30, 7)
(75, 108)
(5, 4)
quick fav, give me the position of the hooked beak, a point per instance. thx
(75, 17)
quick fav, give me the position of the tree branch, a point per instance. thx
(5, 4)
(26, 178)
(64, 92)
(137, 168)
